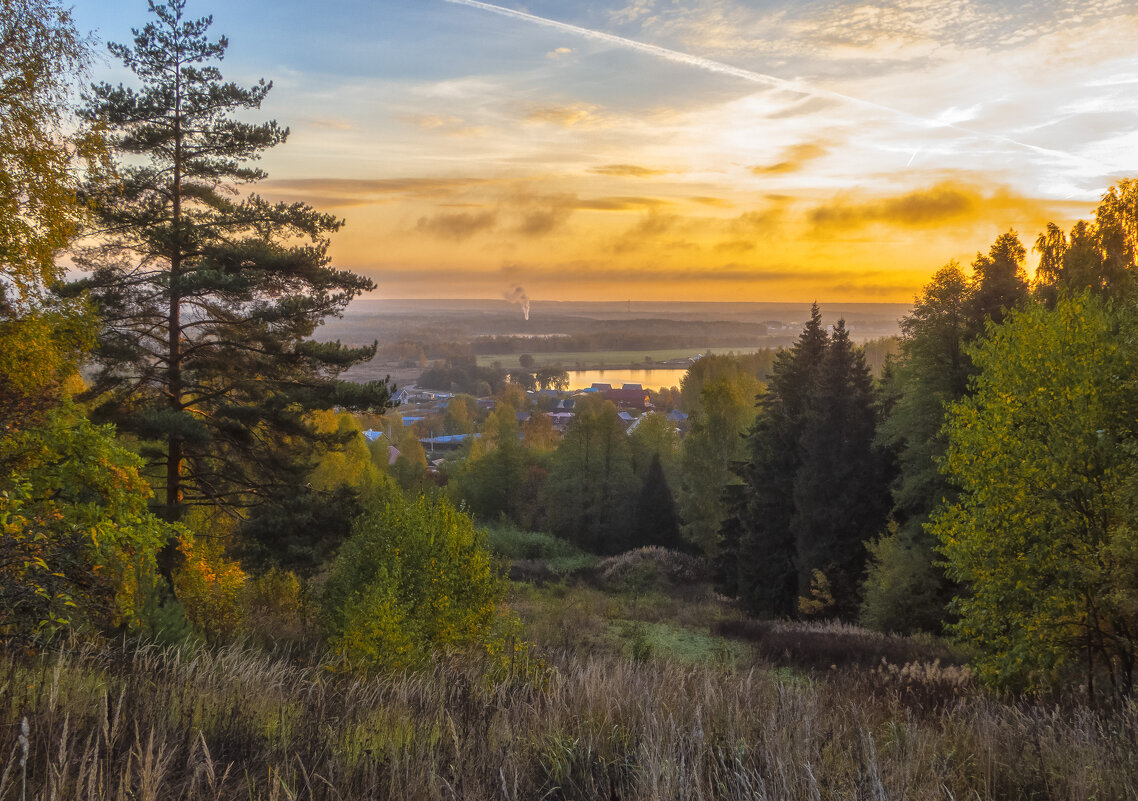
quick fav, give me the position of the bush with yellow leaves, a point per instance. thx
(415, 577)
(209, 586)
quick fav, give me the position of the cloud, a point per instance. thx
(649, 230)
(620, 203)
(572, 116)
(754, 223)
(546, 221)
(457, 226)
(559, 52)
(331, 124)
(338, 192)
(717, 202)
(943, 203)
(627, 170)
(793, 159)
(735, 246)
(632, 12)
(449, 126)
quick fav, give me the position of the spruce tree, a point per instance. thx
(208, 293)
(757, 559)
(841, 491)
(656, 521)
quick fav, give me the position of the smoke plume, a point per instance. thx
(518, 295)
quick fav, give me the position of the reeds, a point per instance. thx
(232, 723)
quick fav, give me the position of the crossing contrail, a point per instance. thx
(772, 81)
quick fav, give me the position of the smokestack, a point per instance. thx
(518, 295)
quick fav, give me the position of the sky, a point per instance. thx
(711, 150)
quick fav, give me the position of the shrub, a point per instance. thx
(273, 607)
(75, 532)
(414, 577)
(821, 645)
(511, 542)
(209, 586)
(642, 568)
(904, 590)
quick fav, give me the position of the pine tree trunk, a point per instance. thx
(174, 355)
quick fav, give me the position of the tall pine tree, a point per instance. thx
(208, 295)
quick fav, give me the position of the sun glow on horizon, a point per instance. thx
(710, 150)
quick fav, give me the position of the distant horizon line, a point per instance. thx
(627, 301)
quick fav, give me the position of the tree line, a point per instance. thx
(982, 487)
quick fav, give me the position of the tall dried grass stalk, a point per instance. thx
(231, 723)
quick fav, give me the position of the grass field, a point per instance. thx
(640, 690)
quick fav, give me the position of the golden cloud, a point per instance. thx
(621, 203)
(945, 202)
(566, 116)
(717, 202)
(735, 246)
(793, 159)
(646, 232)
(449, 126)
(457, 226)
(336, 192)
(627, 171)
(753, 223)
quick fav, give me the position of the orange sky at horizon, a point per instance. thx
(710, 150)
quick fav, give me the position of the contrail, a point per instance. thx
(771, 81)
(673, 55)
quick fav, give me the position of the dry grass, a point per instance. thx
(232, 723)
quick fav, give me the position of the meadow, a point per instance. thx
(640, 684)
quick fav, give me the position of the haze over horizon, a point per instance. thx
(711, 150)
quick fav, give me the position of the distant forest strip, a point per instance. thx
(634, 335)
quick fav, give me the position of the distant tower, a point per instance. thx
(630, 305)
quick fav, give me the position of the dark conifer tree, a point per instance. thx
(208, 294)
(757, 561)
(999, 280)
(656, 521)
(841, 488)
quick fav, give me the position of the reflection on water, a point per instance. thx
(653, 378)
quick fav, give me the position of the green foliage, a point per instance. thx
(722, 415)
(812, 485)
(1100, 256)
(591, 486)
(1041, 534)
(999, 281)
(461, 415)
(415, 577)
(654, 437)
(346, 465)
(77, 536)
(840, 487)
(208, 294)
(41, 56)
(463, 378)
(711, 368)
(511, 542)
(905, 589)
(933, 372)
(492, 482)
(274, 607)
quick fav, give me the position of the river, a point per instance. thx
(649, 378)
